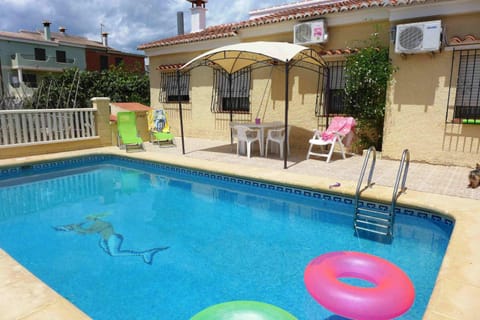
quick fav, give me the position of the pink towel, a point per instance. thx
(341, 125)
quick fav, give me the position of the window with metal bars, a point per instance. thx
(40, 54)
(231, 92)
(331, 90)
(61, 56)
(335, 92)
(467, 99)
(103, 63)
(169, 87)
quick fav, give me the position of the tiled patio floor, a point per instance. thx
(447, 180)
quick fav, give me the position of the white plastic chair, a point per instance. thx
(248, 136)
(278, 136)
(233, 129)
(336, 133)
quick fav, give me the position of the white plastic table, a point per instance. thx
(260, 126)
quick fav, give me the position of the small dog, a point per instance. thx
(474, 177)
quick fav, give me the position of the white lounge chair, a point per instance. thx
(339, 129)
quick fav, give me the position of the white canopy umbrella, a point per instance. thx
(235, 57)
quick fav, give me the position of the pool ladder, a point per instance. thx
(372, 222)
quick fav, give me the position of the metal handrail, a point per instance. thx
(360, 180)
(401, 174)
(362, 174)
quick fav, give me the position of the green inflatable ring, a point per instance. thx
(243, 310)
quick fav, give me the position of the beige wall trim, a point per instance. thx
(462, 47)
(443, 8)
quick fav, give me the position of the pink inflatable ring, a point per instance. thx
(392, 295)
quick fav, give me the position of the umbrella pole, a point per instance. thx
(180, 110)
(230, 104)
(285, 142)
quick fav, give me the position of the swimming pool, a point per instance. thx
(228, 238)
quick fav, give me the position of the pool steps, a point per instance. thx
(373, 223)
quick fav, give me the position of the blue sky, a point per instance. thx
(129, 23)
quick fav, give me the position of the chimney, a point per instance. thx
(105, 39)
(46, 30)
(198, 14)
(180, 24)
(62, 30)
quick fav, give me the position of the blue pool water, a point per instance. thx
(85, 227)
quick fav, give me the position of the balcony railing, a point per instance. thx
(28, 61)
(27, 127)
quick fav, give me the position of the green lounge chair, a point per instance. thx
(127, 131)
(159, 128)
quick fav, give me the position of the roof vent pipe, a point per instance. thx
(180, 24)
(46, 30)
(105, 39)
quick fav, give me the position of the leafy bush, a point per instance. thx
(74, 88)
(368, 74)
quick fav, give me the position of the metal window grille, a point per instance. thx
(40, 54)
(467, 98)
(61, 56)
(336, 88)
(231, 92)
(331, 90)
(169, 87)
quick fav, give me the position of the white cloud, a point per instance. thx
(17, 3)
(129, 23)
(237, 11)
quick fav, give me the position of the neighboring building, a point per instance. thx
(99, 57)
(27, 56)
(435, 88)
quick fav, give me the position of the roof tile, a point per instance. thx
(230, 30)
(132, 106)
(333, 52)
(169, 67)
(55, 37)
(468, 39)
(59, 38)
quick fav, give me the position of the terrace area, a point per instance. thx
(435, 179)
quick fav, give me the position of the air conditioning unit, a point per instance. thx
(310, 32)
(418, 37)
